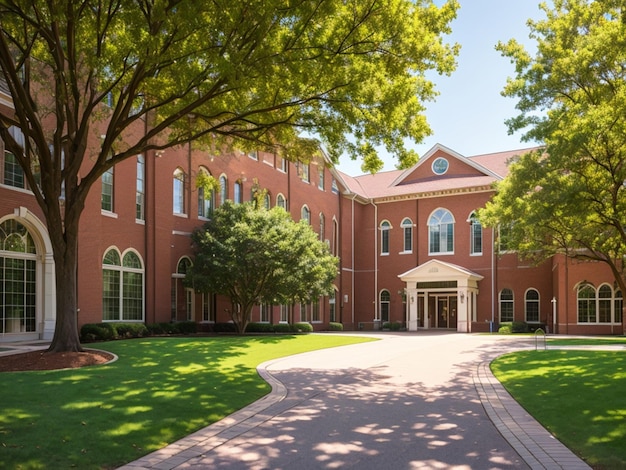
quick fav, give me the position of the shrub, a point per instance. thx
(519, 327)
(98, 332)
(335, 326)
(303, 327)
(505, 329)
(253, 327)
(386, 326)
(186, 327)
(228, 327)
(396, 325)
(131, 330)
(283, 328)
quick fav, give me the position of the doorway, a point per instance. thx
(442, 310)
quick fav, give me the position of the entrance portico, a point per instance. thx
(441, 295)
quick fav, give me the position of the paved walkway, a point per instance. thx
(410, 401)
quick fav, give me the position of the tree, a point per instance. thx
(569, 197)
(258, 256)
(247, 73)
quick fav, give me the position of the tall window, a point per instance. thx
(179, 191)
(284, 313)
(586, 304)
(384, 237)
(506, 305)
(223, 189)
(320, 183)
(306, 214)
(315, 311)
(122, 290)
(407, 229)
(205, 199)
(335, 240)
(618, 306)
(238, 192)
(441, 232)
(322, 226)
(12, 173)
(208, 313)
(264, 314)
(531, 306)
(385, 302)
(141, 189)
(18, 288)
(107, 190)
(605, 303)
(332, 306)
(305, 172)
(476, 235)
(280, 201)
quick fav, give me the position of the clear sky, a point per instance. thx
(469, 113)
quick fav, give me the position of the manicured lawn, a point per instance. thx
(159, 390)
(591, 341)
(579, 396)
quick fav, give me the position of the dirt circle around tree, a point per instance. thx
(44, 360)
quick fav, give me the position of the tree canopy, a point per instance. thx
(138, 76)
(258, 256)
(570, 196)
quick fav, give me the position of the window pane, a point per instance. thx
(106, 199)
(13, 173)
(133, 296)
(110, 295)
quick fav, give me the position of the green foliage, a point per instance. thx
(158, 391)
(253, 327)
(98, 332)
(513, 327)
(505, 329)
(302, 327)
(131, 330)
(283, 328)
(255, 256)
(335, 326)
(569, 197)
(577, 395)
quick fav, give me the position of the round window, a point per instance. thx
(440, 166)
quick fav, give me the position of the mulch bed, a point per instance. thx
(43, 360)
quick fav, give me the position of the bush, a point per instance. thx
(253, 327)
(302, 327)
(186, 327)
(131, 330)
(519, 327)
(228, 327)
(505, 329)
(98, 332)
(283, 328)
(335, 326)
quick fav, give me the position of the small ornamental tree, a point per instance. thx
(254, 255)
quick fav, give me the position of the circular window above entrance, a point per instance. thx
(440, 166)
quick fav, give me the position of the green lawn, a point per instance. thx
(159, 390)
(579, 396)
(591, 341)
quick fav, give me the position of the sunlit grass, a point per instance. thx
(579, 396)
(589, 341)
(159, 390)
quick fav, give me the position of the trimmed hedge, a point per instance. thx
(108, 331)
(513, 327)
(335, 326)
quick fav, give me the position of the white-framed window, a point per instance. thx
(305, 172)
(385, 305)
(305, 214)
(531, 306)
(178, 192)
(601, 306)
(320, 183)
(322, 226)
(205, 198)
(264, 313)
(407, 231)
(180, 301)
(284, 313)
(208, 312)
(140, 193)
(506, 305)
(254, 155)
(11, 173)
(385, 227)
(238, 192)
(223, 189)
(476, 235)
(282, 164)
(441, 232)
(122, 286)
(281, 201)
(106, 198)
(332, 306)
(315, 311)
(333, 186)
(18, 279)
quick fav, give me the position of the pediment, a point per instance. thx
(437, 270)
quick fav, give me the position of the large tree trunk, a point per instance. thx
(65, 247)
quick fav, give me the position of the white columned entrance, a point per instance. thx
(441, 295)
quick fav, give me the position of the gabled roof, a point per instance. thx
(476, 173)
(436, 270)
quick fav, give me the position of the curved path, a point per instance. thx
(411, 401)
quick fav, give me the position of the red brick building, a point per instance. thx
(412, 252)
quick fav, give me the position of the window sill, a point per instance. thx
(106, 213)
(182, 216)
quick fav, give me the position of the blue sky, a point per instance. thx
(469, 113)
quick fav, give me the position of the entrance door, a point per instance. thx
(442, 312)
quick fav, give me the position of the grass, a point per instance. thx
(158, 391)
(577, 395)
(591, 341)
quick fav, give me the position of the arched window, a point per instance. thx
(441, 232)
(238, 192)
(182, 297)
(18, 279)
(267, 201)
(531, 306)
(506, 305)
(385, 302)
(122, 287)
(223, 189)
(306, 214)
(586, 304)
(179, 191)
(322, 226)
(476, 235)
(205, 198)
(407, 229)
(280, 201)
(384, 237)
